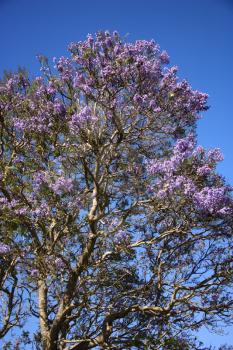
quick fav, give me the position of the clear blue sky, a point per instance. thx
(198, 35)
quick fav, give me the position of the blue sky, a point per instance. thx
(197, 34)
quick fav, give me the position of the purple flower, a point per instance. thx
(164, 57)
(21, 211)
(215, 155)
(150, 189)
(152, 104)
(41, 211)
(88, 90)
(199, 150)
(40, 178)
(154, 166)
(137, 99)
(211, 200)
(51, 88)
(59, 263)
(4, 201)
(162, 194)
(79, 80)
(189, 188)
(59, 107)
(177, 182)
(75, 204)
(225, 211)
(166, 167)
(62, 185)
(203, 170)
(184, 146)
(80, 119)
(20, 124)
(90, 40)
(4, 249)
(182, 149)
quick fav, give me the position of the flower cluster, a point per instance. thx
(80, 119)
(182, 149)
(58, 185)
(62, 185)
(215, 155)
(59, 264)
(41, 210)
(211, 199)
(4, 249)
(106, 70)
(204, 170)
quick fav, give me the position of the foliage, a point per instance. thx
(116, 229)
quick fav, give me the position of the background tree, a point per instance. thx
(116, 230)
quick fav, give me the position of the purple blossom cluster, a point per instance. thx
(4, 249)
(59, 107)
(204, 170)
(184, 147)
(40, 123)
(76, 203)
(42, 113)
(101, 67)
(64, 67)
(40, 178)
(59, 185)
(15, 82)
(14, 206)
(215, 155)
(62, 185)
(59, 263)
(199, 151)
(41, 210)
(9, 204)
(82, 118)
(179, 182)
(182, 150)
(212, 199)
(116, 64)
(21, 211)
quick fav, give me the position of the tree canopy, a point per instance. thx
(116, 229)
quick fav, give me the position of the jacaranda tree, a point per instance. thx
(116, 229)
